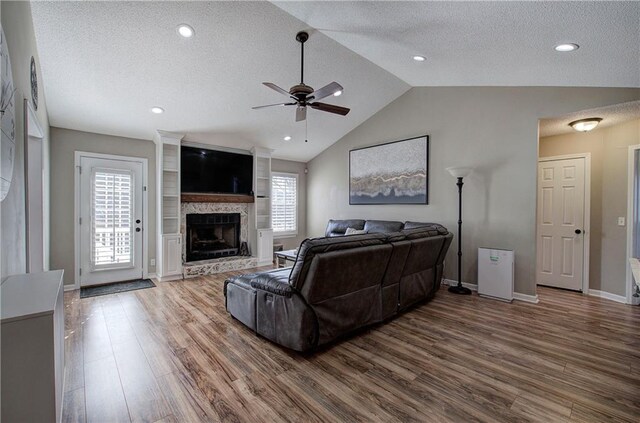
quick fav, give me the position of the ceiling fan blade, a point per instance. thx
(276, 88)
(325, 91)
(271, 105)
(301, 113)
(331, 108)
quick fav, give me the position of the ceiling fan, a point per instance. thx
(302, 95)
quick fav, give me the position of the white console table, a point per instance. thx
(32, 347)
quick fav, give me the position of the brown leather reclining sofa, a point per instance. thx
(341, 283)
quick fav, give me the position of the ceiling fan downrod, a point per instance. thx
(302, 37)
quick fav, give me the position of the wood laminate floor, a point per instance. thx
(173, 354)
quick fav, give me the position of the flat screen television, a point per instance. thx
(215, 172)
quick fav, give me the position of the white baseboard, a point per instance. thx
(170, 278)
(71, 287)
(451, 282)
(607, 295)
(526, 298)
(516, 295)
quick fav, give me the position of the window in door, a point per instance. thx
(111, 220)
(284, 204)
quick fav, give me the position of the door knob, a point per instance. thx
(138, 229)
(578, 231)
(137, 220)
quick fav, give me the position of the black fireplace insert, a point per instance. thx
(212, 235)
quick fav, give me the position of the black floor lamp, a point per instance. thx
(460, 173)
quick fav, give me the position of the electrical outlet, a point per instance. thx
(152, 262)
(621, 221)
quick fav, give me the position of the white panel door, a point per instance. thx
(110, 220)
(560, 227)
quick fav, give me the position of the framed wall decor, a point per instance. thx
(391, 173)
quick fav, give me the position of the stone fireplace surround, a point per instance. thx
(222, 264)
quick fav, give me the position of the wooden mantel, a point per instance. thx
(216, 198)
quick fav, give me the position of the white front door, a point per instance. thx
(560, 228)
(110, 220)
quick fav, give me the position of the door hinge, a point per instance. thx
(80, 170)
(144, 188)
(80, 220)
(80, 271)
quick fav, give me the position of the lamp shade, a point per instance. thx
(460, 172)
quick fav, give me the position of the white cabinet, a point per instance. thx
(169, 255)
(265, 247)
(172, 255)
(32, 347)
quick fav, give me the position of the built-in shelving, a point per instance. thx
(169, 263)
(262, 237)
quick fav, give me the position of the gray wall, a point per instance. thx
(298, 168)
(18, 28)
(609, 154)
(64, 144)
(494, 129)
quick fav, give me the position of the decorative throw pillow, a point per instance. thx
(354, 231)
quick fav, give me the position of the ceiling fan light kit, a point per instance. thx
(303, 96)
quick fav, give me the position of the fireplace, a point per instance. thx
(212, 235)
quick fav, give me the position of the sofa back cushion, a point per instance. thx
(340, 279)
(413, 225)
(313, 246)
(382, 226)
(339, 227)
(420, 272)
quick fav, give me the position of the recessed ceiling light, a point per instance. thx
(287, 138)
(419, 58)
(157, 110)
(185, 30)
(567, 47)
(585, 125)
(337, 93)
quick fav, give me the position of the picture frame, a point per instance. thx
(395, 172)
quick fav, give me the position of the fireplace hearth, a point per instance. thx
(212, 235)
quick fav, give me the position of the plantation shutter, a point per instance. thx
(284, 194)
(111, 218)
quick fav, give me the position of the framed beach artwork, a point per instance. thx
(392, 173)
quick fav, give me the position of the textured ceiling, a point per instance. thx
(105, 64)
(502, 43)
(611, 115)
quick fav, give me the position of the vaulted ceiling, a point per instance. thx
(105, 64)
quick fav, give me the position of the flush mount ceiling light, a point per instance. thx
(585, 125)
(566, 47)
(185, 31)
(419, 58)
(157, 110)
(287, 138)
(337, 93)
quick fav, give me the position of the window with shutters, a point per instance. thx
(284, 204)
(111, 218)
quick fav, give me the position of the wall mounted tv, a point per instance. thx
(215, 172)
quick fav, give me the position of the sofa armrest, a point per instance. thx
(274, 285)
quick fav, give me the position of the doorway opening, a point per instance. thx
(610, 206)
